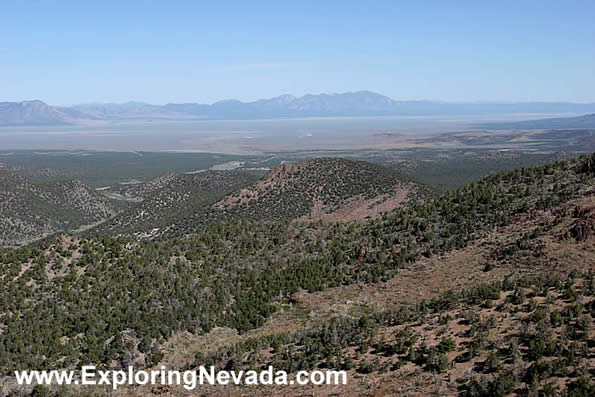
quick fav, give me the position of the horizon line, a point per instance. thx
(457, 102)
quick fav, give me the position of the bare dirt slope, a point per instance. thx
(326, 189)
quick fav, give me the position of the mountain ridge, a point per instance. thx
(348, 104)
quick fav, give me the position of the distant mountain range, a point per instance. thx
(362, 103)
(586, 121)
(30, 113)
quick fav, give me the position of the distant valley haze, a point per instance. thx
(349, 104)
(255, 77)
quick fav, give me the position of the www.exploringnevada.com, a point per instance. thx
(190, 380)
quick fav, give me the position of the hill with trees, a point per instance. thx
(31, 210)
(314, 188)
(163, 205)
(517, 314)
(321, 189)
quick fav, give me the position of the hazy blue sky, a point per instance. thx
(67, 52)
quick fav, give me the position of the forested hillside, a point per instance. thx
(31, 210)
(316, 187)
(168, 202)
(329, 189)
(116, 301)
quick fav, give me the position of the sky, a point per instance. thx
(71, 52)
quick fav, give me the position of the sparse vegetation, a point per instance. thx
(31, 210)
(117, 301)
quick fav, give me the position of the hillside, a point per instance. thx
(321, 189)
(33, 210)
(483, 290)
(329, 188)
(165, 204)
(449, 173)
